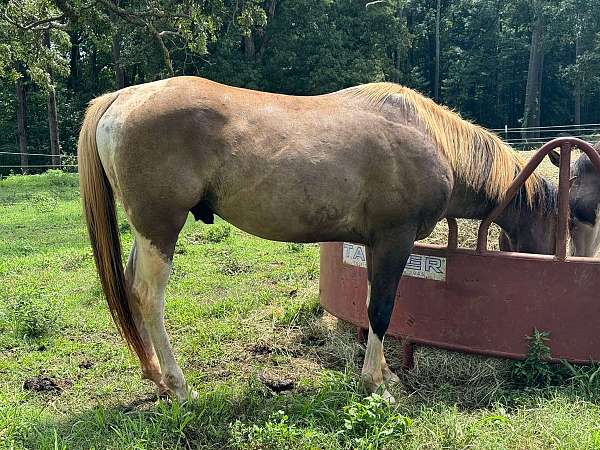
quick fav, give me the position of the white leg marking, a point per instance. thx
(150, 369)
(150, 280)
(372, 372)
(387, 374)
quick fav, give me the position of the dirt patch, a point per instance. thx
(46, 384)
(86, 364)
(277, 385)
(260, 349)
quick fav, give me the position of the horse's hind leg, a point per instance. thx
(387, 257)
(151, 269)
(150, 366)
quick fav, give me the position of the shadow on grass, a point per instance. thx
(207, 422)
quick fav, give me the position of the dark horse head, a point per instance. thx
(530, 227)
(584, 202)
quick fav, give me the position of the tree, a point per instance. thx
(531, 114)
(52, 113)
(22, 122)
(475, 54)
(26, 29)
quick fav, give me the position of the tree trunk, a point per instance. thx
(436, 82)
(261, 32)
(272, 6)
(53, 127)
(116, 57)
(398, 53)
(532, 91)
(577, 87)
(52, 113)
(94, 77)
(73, 80)
(249, 48)
(21, 123)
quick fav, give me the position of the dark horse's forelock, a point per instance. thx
(544, 199)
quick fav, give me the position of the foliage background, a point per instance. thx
(298, 46)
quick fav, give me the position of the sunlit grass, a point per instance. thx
(237, 306)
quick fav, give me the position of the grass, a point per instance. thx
(237, 307)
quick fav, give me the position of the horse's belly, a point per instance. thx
(286, 218)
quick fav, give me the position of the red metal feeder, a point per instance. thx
(481, 301)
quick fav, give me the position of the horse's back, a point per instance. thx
(281, 167)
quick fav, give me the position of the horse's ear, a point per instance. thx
(554, 157)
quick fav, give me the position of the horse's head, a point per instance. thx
(584, 200)
(531, 230)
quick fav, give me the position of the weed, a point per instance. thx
(585, 379)
(74, 262)
(370, 423)
(32, 315)
(124, 227)
(43, 202)
(276, 433)
(60, 178)
(294, 247)
(301, 312)
(536, 370)
(212, 234)
(180, 248)
(233, 266)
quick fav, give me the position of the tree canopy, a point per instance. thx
(517, 63)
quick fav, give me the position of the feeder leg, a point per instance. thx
(362, 334)
(408, 349)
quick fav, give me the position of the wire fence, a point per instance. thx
(531, 137)
(66, 161)
(518, 137)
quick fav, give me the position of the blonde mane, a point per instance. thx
(477, 156)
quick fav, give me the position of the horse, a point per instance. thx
(377, 164)
(584, 204)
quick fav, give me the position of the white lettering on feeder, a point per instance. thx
(419, 266)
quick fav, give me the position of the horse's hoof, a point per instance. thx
(369, 385)
(388, 397)
(164, 393)
(390, 377)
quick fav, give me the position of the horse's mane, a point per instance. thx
(477, 156)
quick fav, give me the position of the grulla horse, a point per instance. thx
(584, 204)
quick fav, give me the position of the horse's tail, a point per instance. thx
(101, 218)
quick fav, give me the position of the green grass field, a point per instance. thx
(239, 310)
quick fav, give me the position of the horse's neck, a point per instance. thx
(466, 203)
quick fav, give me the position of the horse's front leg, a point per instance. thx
(386, 258)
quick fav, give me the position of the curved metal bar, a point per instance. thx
(566, 144)
(560, 243)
